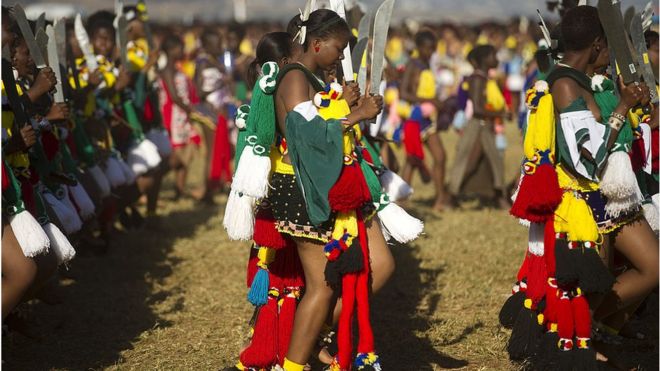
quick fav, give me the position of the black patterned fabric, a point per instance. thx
(288, 207)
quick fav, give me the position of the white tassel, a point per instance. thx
(101, 180)
(395, 187)
(160, 138)
(524, 222)
(65, 211)
(239, 217)
(615, 207)
(386, 234)
(656, 200)
(399, 224)
(129, 175)
(60, 244)
(143, 157)
(114, 173)
(535, 244)
(251, 177)
(83, 201)
(651, 215)
(618, 181)
(29, 234)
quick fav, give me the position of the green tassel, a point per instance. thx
(379, 198)
(140, 90)
(85, 149)
(132, 118)
(261, 121)
(12, 198)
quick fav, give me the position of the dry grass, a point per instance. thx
(175, 299)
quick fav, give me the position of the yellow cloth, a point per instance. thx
(540, 133)
(426, 88)
(394, 49)
(494, 97)
(19, 160)
(137, 52)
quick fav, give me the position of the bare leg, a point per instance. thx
(314, 306)
(439, 157)
(639, 245)
(408, 171)
(18, 272)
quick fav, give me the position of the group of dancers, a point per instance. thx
(89, 129)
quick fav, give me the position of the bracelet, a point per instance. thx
(615, 123)
(619, 116)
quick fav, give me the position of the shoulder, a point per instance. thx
(564, 91)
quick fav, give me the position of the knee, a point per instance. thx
(24, 274)
(320, 294)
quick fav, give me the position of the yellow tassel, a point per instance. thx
(266, 255)
(289, 365)
(581, 223)
(494, 96)
(530, 134)
(345, 222)
(544, 137)
(426, 88)
(561, 214)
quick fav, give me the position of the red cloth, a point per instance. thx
(655, 139)
(412, 139)
(221, 154)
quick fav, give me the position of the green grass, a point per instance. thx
(175, 299)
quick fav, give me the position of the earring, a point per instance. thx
(316, 49)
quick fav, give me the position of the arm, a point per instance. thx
(477, 95)
(199, 80)
(409, 83)
(168, 78)
(294, 89)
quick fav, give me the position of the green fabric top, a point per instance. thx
(316, 152)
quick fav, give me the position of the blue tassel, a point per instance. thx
(258, 294)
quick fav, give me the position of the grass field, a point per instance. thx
(175, 299)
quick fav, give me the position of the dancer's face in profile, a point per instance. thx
(330, 51)
(491, 61)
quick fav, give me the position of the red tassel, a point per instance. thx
(549, 238)
(581, 316)
(524, 268)
(262, 351)
(350, 191)
(265, 231)
(220, 167)
(5, 177)
(367, 156)
(252, 267)
(287, 267)
(366, 339)
(412, 139)
(538, 196)
(536, 278)
(565, 324)
(50, 144)
(285, 325)
(551, 301)
(344, 333)
(638, 154)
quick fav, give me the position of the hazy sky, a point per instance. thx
(459, 10)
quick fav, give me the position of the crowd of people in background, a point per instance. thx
(77, 170)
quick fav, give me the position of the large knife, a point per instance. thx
(358, 54)
(122, 40)
(42, 41)
(83, 42)
(346, 64)
(20, 117)
(144, 16)
(364, 31)
(41, 22)
(609, 13)
(639, 42)
(26, 31)
(381, 27)
(54, 63)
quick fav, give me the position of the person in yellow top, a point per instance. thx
(418, 88)
(477, 143)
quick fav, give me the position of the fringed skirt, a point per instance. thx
(288, 207)
(606, 222)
